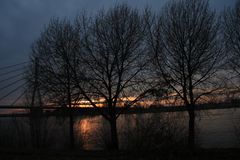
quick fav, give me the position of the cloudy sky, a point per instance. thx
(23, 20)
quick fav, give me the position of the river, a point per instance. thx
(219, 128)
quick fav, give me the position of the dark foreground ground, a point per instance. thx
(181, 154)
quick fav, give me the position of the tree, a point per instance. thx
(56, 48)
(113, 60)
(231, 30)
(184, 42)
(101, 57)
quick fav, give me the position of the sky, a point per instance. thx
(21, 21)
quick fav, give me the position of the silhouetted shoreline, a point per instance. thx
(89, 111)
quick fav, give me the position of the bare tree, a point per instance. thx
(56, 48)
(101, 58)
(113, 61)
(231, 30)
(185, 45)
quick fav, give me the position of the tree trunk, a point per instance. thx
(71, 122)
(191, 130)
(71, 128)
(114, 135)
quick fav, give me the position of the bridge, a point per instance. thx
(13, 88)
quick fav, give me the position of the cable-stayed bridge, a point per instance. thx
(13, 84)
(14, 88)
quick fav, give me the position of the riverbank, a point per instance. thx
(179, 154)
(89, 111)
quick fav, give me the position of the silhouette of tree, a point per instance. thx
(231, 29)
(101, 57)
(185, 45)
(56, 48)
(113, 61)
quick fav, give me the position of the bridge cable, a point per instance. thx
(12, 91)
(11, 66)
